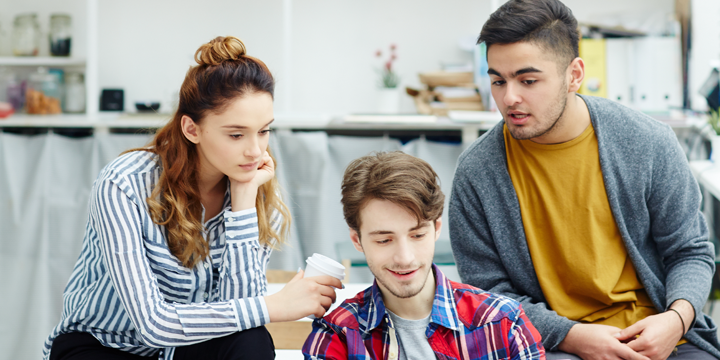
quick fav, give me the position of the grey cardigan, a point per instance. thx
(654, 199)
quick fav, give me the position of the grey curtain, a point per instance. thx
(45, 181)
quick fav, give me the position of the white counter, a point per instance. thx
(469, 126)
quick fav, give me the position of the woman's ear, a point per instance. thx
(190, 129)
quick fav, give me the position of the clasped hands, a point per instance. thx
(652, 338)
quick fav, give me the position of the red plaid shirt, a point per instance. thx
(465, 323)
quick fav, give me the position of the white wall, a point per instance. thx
(705, 47)
(146, 47)
(332, 45)
(334, 68)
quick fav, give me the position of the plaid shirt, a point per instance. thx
(465, 323)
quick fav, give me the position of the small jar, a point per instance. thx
(26, 35)
(43, 93)
(74, 93)
(60, 34)
(15, 91)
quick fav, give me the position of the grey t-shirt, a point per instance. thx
(412, 341)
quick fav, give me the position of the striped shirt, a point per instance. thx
(465, 323)
(131, 293)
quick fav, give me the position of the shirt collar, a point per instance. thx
(227, 203)
(443, 313)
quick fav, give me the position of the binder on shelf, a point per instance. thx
(658, 74)
(619, 57)
(592, 51)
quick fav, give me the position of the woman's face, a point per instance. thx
(233, 142)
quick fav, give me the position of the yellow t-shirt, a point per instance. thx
(579, 257)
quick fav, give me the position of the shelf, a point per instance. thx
(282, 121)
(138, 121)
(40, 61)
(103, 120)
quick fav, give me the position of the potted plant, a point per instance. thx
(389, 96)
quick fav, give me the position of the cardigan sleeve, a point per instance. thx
(678, 227)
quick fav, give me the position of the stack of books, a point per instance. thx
(446, 91)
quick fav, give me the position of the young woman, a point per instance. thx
(180, 233)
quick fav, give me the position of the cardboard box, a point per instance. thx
(431, 103)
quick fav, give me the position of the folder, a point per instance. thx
(592, 51)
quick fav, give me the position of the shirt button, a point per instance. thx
(207, 265)
(205, 296)
(393, 355)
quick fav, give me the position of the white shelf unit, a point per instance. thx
(88, 62)
(40, 61)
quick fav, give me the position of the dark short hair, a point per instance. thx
(547, 23)
(393, 176)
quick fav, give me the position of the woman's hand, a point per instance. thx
(243, 194)
(302, 297)
(265, 171)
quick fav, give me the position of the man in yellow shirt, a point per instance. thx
(583, 210)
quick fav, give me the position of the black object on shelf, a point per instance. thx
(60, 47)
(147, 106)
(112, 100)
(711, 90)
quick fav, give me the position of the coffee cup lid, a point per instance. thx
(327, 265)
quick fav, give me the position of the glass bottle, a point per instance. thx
(26, 35)
(43, 93)
(60, 34)
(74, 93)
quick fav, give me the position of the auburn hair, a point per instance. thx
(223, 74)
(394, 176)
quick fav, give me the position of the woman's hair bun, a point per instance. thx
(220, 49)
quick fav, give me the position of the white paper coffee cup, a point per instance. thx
(319, 264)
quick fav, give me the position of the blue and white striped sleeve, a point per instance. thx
(242, 273)
(160, 324)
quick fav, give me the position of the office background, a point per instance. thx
(322, 53)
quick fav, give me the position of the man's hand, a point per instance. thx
(597, 342)
(659, 334)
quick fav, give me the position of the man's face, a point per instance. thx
(528, 88)
(399, 253)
